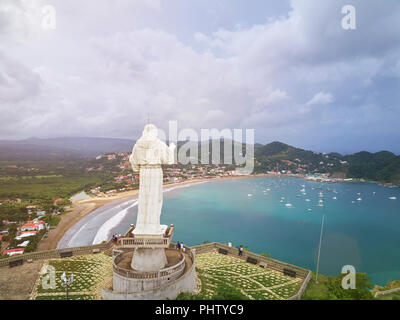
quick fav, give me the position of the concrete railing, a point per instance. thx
(57, 253)
(386, 292)
(271, 263)
(303, 287)
(153, 243)
(171, 272)
(146, 241)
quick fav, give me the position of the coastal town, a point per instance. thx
(25, 220)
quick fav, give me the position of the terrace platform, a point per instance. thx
(178, 275)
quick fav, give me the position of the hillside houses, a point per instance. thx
(11, 252)
(34, 225)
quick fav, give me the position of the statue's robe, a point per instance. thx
(146, 158)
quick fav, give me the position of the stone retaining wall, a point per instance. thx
(54, 254)
(386, 292)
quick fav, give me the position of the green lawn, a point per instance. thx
(329, 288)
(45, 187)
(228, 277)
(89, 272)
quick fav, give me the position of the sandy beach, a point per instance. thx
(82, 208)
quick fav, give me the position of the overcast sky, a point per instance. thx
(285, 68)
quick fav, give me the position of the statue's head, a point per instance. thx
(150, 132)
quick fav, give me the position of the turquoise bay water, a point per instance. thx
(365, 234)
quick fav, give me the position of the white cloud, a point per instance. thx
(321, 98)
(105, 69)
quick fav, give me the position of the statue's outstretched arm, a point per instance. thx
(134, 161)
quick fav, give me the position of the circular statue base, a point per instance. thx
(178, 275)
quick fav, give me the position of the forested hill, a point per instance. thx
(382, 166)
(279, 156)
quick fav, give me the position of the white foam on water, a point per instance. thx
(183, 186)
(102, 233)
(68, 245)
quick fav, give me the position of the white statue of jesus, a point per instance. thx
(147, 156)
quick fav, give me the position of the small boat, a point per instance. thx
(281, 201)
(320, 195)
(359, 199)
(308, 200)
(374, 192)
(249, 195)
(289, 205)
(268, 189)
(392, 198)
(303, 190)
(309, 209)
(298, 195)
(359, 194)
(334, 198)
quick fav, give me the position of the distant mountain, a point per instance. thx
(381, 166)
(275, 149)
(23, 151)
(37, 149)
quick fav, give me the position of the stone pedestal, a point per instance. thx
(146, 259)
(179, 275)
